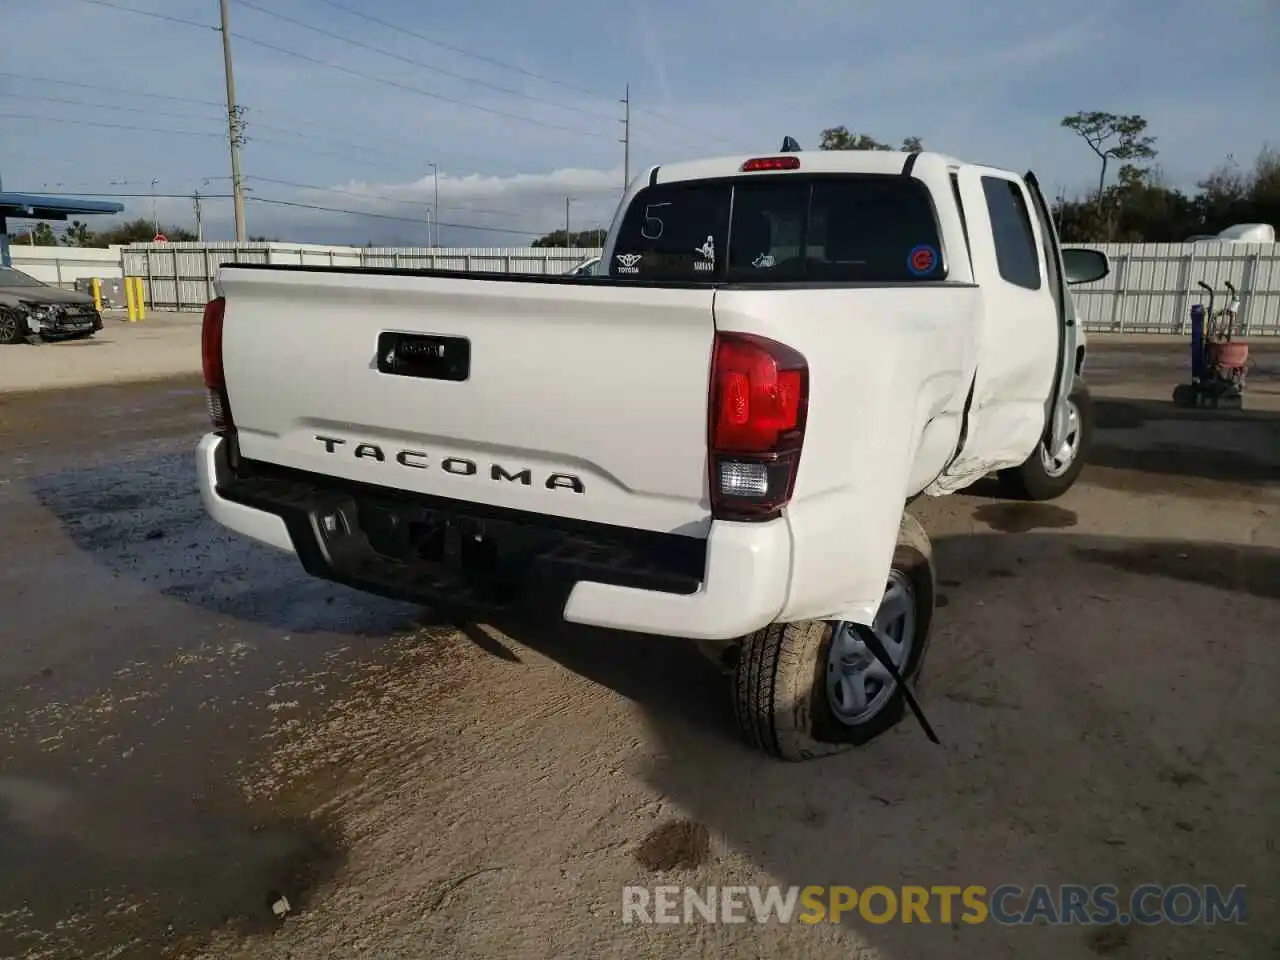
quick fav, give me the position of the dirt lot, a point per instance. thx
(163, 345)
(191, 729)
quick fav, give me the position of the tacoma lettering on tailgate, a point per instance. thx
(458, 466)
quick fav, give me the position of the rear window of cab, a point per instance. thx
(877, 228)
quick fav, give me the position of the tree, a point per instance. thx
(41, 235)
(840, 138)
(1112, 137)
(140, 230)
(581, 238)
(77, 234)
(1141, 208)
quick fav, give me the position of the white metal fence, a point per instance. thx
(179, 276)
(1151, 288)
(63, 266)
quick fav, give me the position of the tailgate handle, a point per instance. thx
(424, 355)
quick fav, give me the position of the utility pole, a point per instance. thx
(435, 202)
(626, 138)
(234, 123)
(199, 218)
(567, 242)
(155, 218)
(5, 261)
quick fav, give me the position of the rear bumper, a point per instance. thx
(408, 548)
(214, 470)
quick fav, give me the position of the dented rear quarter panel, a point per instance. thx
(884, 362)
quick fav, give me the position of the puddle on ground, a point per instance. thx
(675, 845)
(1024, 517)
(1240, 569)
(87, 856)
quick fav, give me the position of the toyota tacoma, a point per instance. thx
(714, 439)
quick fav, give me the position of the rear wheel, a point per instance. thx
(1048, 474)
(812, 688)
(13, 329)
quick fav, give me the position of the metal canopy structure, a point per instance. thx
(38, 207)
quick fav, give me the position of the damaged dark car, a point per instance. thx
(31, 311)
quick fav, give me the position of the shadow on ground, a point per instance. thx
(126, 721)
(142, 520)
(1152, 437)
(1098, 725)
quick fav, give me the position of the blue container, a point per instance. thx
(1197, 341)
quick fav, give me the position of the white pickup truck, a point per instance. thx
(715, 440)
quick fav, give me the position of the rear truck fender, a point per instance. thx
(884, 365)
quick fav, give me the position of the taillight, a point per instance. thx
(757, 411)
(215, 379)
(756, 164)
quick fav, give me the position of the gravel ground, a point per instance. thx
(191, 729)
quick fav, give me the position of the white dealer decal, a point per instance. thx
(708, 253)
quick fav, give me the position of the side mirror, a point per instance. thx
(1082, 265)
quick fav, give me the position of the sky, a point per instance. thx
(508, 108)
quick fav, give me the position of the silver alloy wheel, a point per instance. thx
(858, 685)
(1059, 462)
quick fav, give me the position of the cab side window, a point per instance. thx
(1016, 253)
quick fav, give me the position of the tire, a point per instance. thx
(782, 698)
(13, 329)
(1042, 478)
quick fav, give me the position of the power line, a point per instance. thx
(389, 216)
(111, 126)
(418, 36)
(265, 126)
(350, 193)
(99, 87)
(411, 89)
(459, 50)
(365, 161)
(111, 106)
(411, 149)
(251, 112)
(336, 66)
(382, 198)
(508, 66)
(150, 13)
(418, 63)
(159, 196)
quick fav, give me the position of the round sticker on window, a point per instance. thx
(922, 260)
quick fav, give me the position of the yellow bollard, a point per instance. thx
(129, 300)
(96, 286)
(141, 297)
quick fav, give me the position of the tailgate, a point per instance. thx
(581, 400)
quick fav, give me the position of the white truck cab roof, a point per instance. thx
(808, 161)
